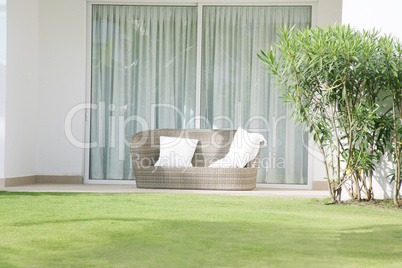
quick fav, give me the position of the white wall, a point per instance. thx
(383, 15)
(21, 88)
(62, 59)
(386, 16)
(48, 77)
(3, 38)
(329, 12)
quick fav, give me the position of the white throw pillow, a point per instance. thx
(176, 152)
(244, 148)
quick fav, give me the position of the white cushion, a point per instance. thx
(176, 152)
(244, 148)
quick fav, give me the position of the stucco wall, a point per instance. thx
(384, 16)
(62, 59)
(3, 43)
(21, 88)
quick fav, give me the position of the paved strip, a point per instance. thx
(107, 188)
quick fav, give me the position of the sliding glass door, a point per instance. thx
(237, 91)
(144, 75)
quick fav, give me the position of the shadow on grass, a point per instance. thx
(3, 262)
(184, 243)
(174, 243)
(190, 231)
(73, 221)
(378, 242)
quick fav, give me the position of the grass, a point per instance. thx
(180, 230)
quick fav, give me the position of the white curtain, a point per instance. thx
(143, 76)
(236, 91)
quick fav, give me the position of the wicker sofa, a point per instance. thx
(212, 145)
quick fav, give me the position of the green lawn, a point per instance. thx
(181, 230)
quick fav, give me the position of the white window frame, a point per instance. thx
(313, 162)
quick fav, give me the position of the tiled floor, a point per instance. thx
(102, 188)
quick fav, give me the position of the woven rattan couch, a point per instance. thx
(212, 145)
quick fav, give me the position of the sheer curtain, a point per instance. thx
(236, 91)
(143, 76)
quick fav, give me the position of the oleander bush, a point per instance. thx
(345, 86)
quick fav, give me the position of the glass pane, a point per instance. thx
(237, 91)
(143, 76)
